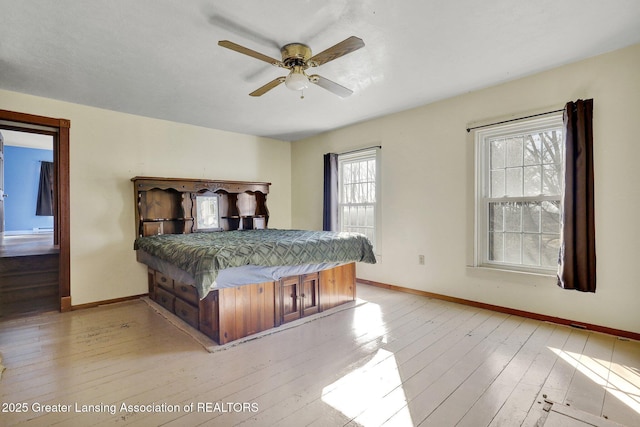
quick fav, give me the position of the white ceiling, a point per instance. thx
(27, 139)
(159, 58)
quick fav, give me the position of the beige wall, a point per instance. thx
(428, 185)
(108, 148)
(427, 188)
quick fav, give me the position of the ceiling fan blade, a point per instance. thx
(249, 52)
(266, 88)
(346, 46)
(332, 87)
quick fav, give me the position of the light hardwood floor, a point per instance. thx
(397, 360)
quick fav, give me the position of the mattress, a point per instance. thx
(205, 255)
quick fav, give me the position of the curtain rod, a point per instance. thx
(513, 120)
(361, 149)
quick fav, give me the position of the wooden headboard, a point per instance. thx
(169, 205)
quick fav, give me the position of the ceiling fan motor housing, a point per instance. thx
(295, 54)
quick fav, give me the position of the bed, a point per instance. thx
(229, 275)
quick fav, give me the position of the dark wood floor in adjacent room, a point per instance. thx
(28, 273)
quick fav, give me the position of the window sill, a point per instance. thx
(517, 272)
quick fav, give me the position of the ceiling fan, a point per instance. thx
(297, 58)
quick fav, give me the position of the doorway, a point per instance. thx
(34, 257)
(29, 258)
(26, 174)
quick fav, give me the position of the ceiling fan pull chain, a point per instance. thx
(302, 94)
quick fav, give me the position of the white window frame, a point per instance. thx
(352, 157)
(482, 135)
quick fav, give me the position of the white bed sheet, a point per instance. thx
(236, 276)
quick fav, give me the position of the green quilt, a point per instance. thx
(204, 254)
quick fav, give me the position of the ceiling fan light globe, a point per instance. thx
(296, 81)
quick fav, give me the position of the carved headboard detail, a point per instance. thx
(170, 205)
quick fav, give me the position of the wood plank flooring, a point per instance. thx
(398, 360)
(28, 273)
(26, 243)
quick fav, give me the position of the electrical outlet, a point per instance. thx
(421, 259)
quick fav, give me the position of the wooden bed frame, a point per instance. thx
(166, 206)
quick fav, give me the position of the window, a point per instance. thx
(358, 194)
(520, 180)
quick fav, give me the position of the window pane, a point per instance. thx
(532, 150)
(552, 146)
(497, 148)
(496, 217)
(512, 217)
(358, 193)
(361, 215)
(532, 180)
(551, 217)
(371, 170)
(514, 151)
(346, 220)
(550, 250)
(531, 217)
(531, 249)
(552, 179)
(496, 247)
(512, 248)
(497, 183)
(358, 182)
(354, 172)
(346, 173)
(514, 182)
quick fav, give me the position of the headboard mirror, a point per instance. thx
(207, 212)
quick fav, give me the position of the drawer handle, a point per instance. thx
(164, 299)
(163, 279)
(183, 312)
(183, 288)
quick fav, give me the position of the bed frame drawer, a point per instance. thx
(186, 312)
(186, 292)
(228, 314)
(164, 281)
(165, 299)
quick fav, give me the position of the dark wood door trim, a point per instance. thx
(62, 218)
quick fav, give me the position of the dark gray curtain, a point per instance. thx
(330, 204)
(577, 261)
(44, 205)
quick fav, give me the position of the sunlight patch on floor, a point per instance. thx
(367, 321)
(621, 381)
(371, 393)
